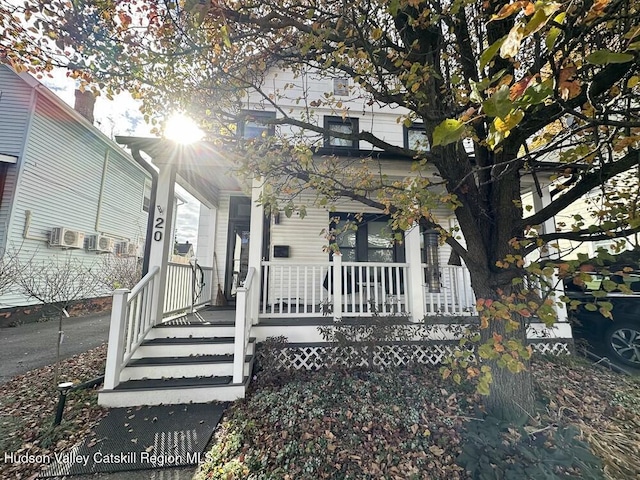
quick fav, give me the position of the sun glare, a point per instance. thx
(182, 129)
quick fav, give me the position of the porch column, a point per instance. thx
(415, 282)
(207, 223)
(161, 245)
(256, 227)
(549, 226)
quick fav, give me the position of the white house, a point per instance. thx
(66, 190)
(276, 273)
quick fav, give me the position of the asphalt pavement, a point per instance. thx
(33, 345)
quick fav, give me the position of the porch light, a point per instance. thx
(182, 129)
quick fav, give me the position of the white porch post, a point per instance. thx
(549, 226)
(415, 282)
(207, 223)
(256, 227)
(337, 286)
(161, 236)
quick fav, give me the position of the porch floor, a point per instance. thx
(226, 316)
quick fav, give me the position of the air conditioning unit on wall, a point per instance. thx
(66, 238)
(100, 243)
(127, 249)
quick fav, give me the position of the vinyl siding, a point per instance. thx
(60, 185)
(15, 105)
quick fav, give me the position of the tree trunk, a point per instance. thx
(511, 395)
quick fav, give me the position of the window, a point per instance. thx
(255, 124)
(341, 86)
(429, 249)
(341, 125)
(415, 138)
(146, 195)
(370, 242)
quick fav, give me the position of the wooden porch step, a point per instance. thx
(191, 346)
(182, 367)
(173, 391)
(226, 329)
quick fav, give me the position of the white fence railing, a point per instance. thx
(373, 288)
(298, 290)
(452, 294)
(293, 289)
(131, 319)
(186, 287)
(244, 321)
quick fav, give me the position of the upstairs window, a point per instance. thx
(341, 86)
(342, 125)
(415, 138)
(255, 124)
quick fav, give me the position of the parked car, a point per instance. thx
(620, 335)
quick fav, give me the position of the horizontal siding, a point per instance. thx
(222, 230)
(15, 102)
(60, 186)
(15, 105)
(380, 120)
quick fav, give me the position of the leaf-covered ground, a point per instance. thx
(411, 424)
(331, 424)
(27, 409)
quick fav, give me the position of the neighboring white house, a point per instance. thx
(276, 272)
(65, 188)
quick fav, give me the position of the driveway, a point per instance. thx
(33, 345)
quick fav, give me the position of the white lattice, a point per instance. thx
(314, 357)
(552, 348)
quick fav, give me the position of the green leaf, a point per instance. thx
(604, 57)
(499, 104)
(449, 131)
(591, 307)
(490, 52)
(554, 32)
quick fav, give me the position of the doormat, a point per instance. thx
(141, 438)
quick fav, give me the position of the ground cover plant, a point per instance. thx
(401, 424)
(27, 409)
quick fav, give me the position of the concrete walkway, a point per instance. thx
(33, 345)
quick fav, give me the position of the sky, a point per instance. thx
(121, 116)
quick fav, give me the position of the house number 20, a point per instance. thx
(157, 235)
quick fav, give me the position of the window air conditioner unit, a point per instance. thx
(100, 243)
(66, 238)
(127, 249)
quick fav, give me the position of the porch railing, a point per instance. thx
(298, 290)
(185, 287)
(131, 319)
(244, 321)
(294, 289)
(451, 294)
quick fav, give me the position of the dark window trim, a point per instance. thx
(405, 133)
(355, 129)
(362, 244)
(255, 116)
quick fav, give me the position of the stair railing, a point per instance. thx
(131, 320)
(244, 321)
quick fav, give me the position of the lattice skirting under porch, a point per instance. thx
(317, 356)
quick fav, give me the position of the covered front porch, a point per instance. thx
(187, 333)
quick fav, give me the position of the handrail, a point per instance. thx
(244, 321)
(131, 320)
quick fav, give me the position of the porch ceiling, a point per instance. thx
(202, 168)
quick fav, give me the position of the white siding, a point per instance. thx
(15, 106)
(382, 121)
(60, 185)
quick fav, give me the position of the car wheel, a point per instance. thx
(623, 342)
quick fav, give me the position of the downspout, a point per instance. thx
(105, 166)
(135, 153)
